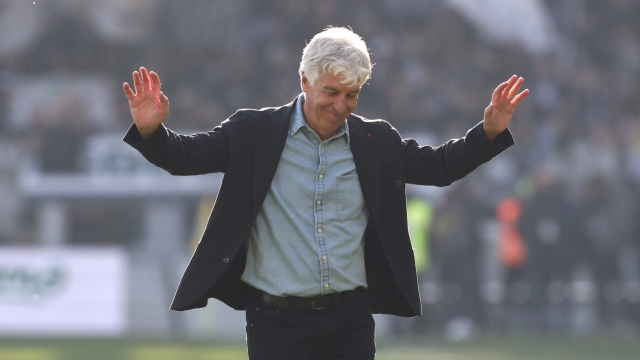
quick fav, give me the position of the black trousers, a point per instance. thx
(343, 331)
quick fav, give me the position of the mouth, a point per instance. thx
(335, 116)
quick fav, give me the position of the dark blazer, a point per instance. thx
(247, 147)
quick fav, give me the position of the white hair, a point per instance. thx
(339, 51)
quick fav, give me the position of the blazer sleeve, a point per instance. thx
(442, 165)
(195, 154)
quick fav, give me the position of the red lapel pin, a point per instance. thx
(369, 135)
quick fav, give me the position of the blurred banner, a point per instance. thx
(63, 291)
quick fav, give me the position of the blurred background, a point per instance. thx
(540, 243)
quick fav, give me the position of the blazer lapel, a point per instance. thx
(270, 139)
(366, 155)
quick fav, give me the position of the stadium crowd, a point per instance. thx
(574, 172)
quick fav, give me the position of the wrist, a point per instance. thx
(146, 132)
(490, 135)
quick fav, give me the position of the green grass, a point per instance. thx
(496, 348)
(525, 348)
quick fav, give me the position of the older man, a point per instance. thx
(309, 231)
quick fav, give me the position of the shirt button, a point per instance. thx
(322, 149)
(319, 202)
(320, 230)
(320, 176)
(326, 285)
(225, 260)
(324, 257)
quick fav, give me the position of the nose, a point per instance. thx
(340, 105)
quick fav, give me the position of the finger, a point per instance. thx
(146, 81)
(520, 97)
(515, 88)
(497, 93)
(155, 81)
(510, 82)
(128, 91)
(137, 83)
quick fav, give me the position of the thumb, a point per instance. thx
(489, 110)
(163, 98)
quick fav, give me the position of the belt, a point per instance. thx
(315, 303)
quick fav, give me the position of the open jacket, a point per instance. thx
(247, 148)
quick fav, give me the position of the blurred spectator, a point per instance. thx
(455, 248)
(607, 224)
(549, 227)
(57, 137)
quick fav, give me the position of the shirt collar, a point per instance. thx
(298, 121)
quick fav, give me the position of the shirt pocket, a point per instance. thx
(349, 199)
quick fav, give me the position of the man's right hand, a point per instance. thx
(149, 106)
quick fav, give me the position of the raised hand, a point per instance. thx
(149, 106)
(504, 101)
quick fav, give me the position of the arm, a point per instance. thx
(442, 165)
(455, 159)
(195, 154)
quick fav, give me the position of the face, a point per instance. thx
(328, 103)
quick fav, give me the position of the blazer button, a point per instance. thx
(248, 226)
(225, 260)
(399, 182)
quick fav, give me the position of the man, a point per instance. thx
(309, 230)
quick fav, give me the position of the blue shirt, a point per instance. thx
(308, 238)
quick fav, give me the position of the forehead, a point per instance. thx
(330, 81)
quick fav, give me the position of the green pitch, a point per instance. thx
(538, 348)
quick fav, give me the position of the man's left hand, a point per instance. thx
(504, 101)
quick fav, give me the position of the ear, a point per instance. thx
(304, 82)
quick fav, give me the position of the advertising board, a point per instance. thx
(63, 291)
